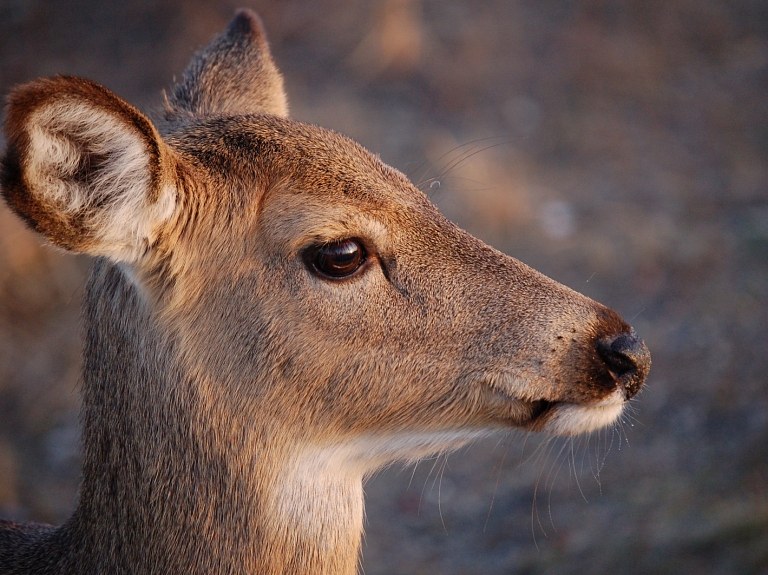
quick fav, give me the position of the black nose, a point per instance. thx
(627, 359)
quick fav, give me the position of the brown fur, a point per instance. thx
(234, 400)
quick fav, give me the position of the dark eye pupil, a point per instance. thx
(339, 259)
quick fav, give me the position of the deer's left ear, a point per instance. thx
(86, 169)
(234, 74)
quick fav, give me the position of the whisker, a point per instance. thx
(439, 493)
(495, 487)
(448, 153)
(421, 496)
(576, 475)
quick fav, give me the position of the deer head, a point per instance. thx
(273, 314)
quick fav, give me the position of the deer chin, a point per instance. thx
(564, 418)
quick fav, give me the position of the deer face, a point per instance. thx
(307, 283)
(333, 288)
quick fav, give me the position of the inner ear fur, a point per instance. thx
(86, 169)
(233, 75)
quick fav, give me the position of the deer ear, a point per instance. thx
(86, 169)
(235, 74)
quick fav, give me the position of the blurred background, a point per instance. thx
(619, 147)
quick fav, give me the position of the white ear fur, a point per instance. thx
(92, 170)
(69, 137)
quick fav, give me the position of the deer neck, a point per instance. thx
(173, 484)
(206, 516)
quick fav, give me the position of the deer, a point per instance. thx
(272, 315)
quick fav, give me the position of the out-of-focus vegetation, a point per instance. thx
(619, 147)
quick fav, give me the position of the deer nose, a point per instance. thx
(628, 360)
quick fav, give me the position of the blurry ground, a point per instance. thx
(619, 147)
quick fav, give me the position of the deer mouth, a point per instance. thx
(530, 414)
(539, 409)
(560, 417)
(566, 418)
(541, 412)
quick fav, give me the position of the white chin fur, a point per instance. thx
(570, 419)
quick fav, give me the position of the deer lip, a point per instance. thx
(539, 408)
(541, 412)
(530, 413)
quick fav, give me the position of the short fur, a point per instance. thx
(234, 398)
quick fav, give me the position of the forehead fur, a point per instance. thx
(257, 152)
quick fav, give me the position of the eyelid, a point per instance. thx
(370, 232)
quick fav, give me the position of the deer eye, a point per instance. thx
(339, 259)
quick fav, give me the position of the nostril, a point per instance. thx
(628, 359)
(617, 354)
